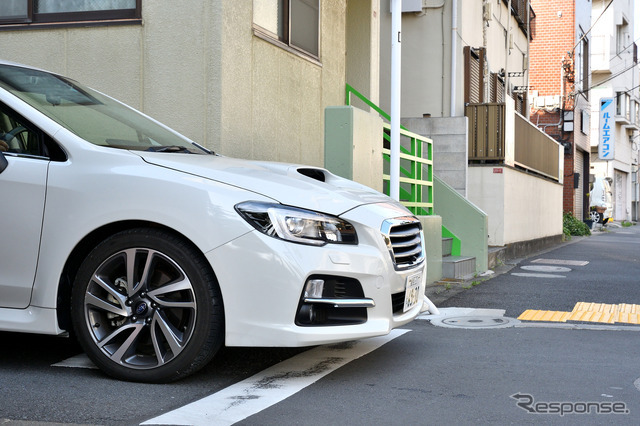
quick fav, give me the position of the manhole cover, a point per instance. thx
(546, 268)
(475, 322)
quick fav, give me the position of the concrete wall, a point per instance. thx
(467, 222)
(521, 207)
(363, 47)
(432, 228)
(158, 67)
(202, 71)
(450, 147)
(353, 145)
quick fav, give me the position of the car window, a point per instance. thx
(91, 115)
(19, 137)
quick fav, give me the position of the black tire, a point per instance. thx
(596, 217)
(166, 324)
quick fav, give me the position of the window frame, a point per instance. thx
(84, 18)
(34, 131)
(586, 67)
(622, 34)
(285, 41)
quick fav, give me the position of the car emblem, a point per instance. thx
(141, 308)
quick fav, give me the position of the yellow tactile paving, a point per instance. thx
(588, 312)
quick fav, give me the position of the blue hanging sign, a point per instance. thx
(606, 141)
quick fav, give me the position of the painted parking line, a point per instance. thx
(548, 268)
(78, 361)
(272, 385)
(588, 312)
(562, 262)
(533, 275)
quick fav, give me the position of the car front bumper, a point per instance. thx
(262, 281)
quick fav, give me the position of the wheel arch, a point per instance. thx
(84, 247)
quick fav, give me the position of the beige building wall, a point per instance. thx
(426, 52)
(502, 52)
(202, 71)
(426, 60)
(511, 199)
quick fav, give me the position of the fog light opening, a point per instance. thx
(313, 289)
(307, 314)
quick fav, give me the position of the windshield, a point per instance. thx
(90, 115)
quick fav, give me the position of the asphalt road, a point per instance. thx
(463, 367)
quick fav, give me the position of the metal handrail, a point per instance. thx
(416, 162)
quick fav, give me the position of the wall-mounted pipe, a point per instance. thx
(454, 44)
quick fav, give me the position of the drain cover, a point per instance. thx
(544, 268)
(475, 322)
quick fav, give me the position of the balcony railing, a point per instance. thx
(536, 151)
(486, 132)
(500, 137)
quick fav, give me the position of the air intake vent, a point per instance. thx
(404, 240)
(316, 174)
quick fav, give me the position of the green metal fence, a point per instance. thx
(416, 162)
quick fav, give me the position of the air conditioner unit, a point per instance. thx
(567, 126)
(548, 101)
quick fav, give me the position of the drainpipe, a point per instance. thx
(526, 80)
(506, 53)
(561, 85)
(454, 31)
(396, 57)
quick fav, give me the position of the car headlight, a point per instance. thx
(297, 225)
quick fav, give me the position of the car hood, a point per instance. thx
(296, 185)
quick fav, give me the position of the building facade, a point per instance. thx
(465, 74)
(248, 79)
(559, 90)
(614, 58)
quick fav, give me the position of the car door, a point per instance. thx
(22, 198)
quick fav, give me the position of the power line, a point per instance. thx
(592, 25)
(634, 42)
(608, 79)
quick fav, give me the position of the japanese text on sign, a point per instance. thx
(607, 129)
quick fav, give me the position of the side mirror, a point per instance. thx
(3, 162)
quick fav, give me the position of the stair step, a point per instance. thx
(458, 267)
(447, 244)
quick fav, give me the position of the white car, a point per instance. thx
(601, 200)
(154, 251)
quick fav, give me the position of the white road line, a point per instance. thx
(562, 262)
(78, 361)
(527, 274)
(246, 398)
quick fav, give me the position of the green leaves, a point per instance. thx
(572, 226)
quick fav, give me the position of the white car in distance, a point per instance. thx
(155, 251)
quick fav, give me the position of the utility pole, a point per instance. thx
(396, 58)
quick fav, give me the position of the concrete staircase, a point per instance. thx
(456, 267)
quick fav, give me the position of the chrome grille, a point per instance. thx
(404, 240)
